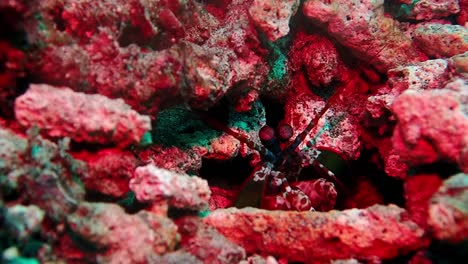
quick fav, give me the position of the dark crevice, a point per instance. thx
(274, 111)
(76, 147)
(228, 174)
(390, 188)
(129, 202)
(60, 23)
(443, 169)
(134, 35)
(441, 252)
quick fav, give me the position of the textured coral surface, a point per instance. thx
(233, 131)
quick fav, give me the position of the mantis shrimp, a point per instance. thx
(274, 183)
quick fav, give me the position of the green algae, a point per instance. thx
(182, 128)
(277, 57)
(204, 213)
(248, 121)
(146, 139)
(179, 127)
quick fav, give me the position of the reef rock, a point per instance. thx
(376, 232)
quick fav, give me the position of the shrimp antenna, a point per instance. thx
(313, 123)
(264, 152)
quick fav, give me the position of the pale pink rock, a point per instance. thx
(431, 126)
(61, 112)
(272, 16)
(314, 237)
(448, 211)
(361, 26)
(153, 184)
(441, 41)
(426, 75)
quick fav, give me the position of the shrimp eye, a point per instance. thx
(266, 134)
(284, 132)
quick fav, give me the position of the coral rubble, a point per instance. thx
(233, 131)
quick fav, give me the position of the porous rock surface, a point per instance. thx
(153, 184)
(61, 112)
(378, 231)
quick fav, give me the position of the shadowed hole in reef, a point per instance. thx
(228, 174)
(274, 111)
(391, 188)
(443, 169)
(129, 202)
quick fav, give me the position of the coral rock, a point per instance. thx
(319, 57)
(362, 27)
(441, 41)
(378, 231)
(204, 242)
(427, 9)
(109, 171)
(175, 257)
(463, 15)
(61, 112)
(127, 238)
(272, 16)
(431, 127)
(448, 211)
(337, 129)
(419, 190)
(153, 184)
(431, 74)
(22, 221)
(172, 158)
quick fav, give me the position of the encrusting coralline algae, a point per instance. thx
(131, 130)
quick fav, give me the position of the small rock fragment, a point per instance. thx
(153, 184)
(22, 221)
(448, 211)
(204, 242)
(272, 16)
